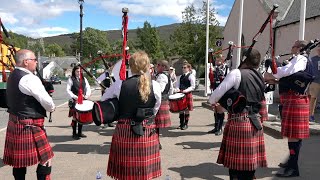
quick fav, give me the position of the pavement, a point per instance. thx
(188, 154)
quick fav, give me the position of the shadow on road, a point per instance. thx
(83, 148)
(173, 132)
(199, 145)
(1, 163)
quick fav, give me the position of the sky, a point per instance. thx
(43, 18)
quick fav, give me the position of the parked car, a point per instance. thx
(55, 80)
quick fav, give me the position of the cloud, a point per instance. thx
(8, 18)
(29, 17)
(40, 32)
(161, 8)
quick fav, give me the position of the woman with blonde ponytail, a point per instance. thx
(134, 136)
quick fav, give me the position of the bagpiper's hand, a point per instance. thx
(268, 76)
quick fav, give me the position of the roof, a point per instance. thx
(284, 6)
(293, 15)
(63, 62)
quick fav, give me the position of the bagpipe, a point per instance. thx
(104, 112)
(299, 81)
(233, 100)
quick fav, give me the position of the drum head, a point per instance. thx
(176, 96)
(85, 106)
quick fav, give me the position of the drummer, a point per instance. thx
(163, 78)
(186, 83)
(73, 86)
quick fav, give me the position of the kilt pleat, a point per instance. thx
(242, 146)
(295, 116)
(162, 119)
(133, 157)
(189, 101)
(26, 146)
(263, 111)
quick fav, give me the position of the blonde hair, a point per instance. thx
(139, 64)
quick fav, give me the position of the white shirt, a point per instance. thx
(192, 80)
(163, 80)
(194, 72)
(31, 85)
(103, 76)
(298, 63)
(233, 79)
(115, 88)
(75, 96)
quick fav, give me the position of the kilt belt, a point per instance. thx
(253, 117)
(16, 120)
(138, 128)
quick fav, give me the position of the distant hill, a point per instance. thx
(113, 35)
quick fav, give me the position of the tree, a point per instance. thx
(93, 41)
(54, 50)
(194, 24)
(149, 41)
(36, 47)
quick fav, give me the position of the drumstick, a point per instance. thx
(94, 78)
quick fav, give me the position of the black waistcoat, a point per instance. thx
(130, 99)
(184, 81)
(76, 86)
(20, 104)
(252, 87)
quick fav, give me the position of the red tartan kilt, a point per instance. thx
(26, 146)
(189, 101)
(242, 146)
(134, 157)
(263, 111)
(295, 116)
(162, 119)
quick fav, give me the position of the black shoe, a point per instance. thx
(288, 172)
(184, 127)
(111, 125)
(75, 137)
(82, 135)
(179, 127)
(160, 146)
(212, 131)
(218, 133)
(283, 165)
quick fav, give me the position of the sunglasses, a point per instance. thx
(185, 67)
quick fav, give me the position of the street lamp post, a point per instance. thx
(195, 38)
(81, 35)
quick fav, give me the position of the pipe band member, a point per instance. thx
(219, 75)
(295, 108)
(162, 119)
(73, 87)
(26, 141)
(135, 133)
(186, 83)
(242, 149)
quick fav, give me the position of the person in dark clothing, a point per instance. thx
(73, 86)
(134, 151)
(26, 141)
(186, 83)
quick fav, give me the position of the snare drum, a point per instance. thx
(177, 102)
(84, 112)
